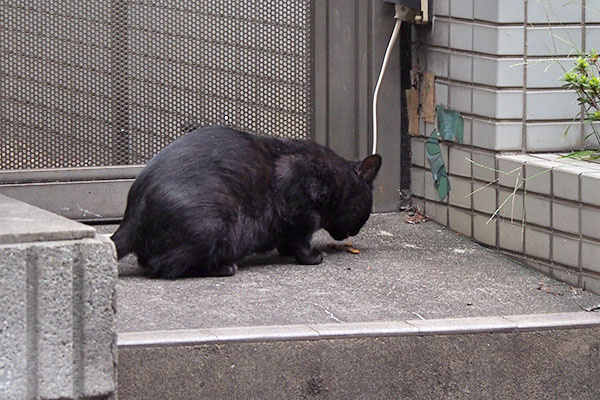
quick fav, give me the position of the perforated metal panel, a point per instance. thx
(97, 83)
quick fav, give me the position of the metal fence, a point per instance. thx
(100, 83)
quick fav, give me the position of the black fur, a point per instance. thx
(216, 195)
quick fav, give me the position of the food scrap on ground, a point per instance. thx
(347, 246)
(416, 218)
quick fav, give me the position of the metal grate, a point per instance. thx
(97, 83)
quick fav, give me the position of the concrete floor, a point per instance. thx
(403, 272)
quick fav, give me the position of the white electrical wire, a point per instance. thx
(381, 73)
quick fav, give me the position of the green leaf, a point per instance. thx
(583, 155)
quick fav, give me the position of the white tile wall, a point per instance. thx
(590, 222)
(505, 11)
(498, 72)
(461, 67)
(484, 230)
(501, 136)
(417, 149)
(551, 136)
(461, 35)
(460, 195)
(537, 243)
(513, 208)
(498, 104)
(590, 188)
(565, 250)
(485, 170)
(417, 182)
(537, 210)
(565, 217)
(459, 161)
(553, 41)
(552, 11)
(542, 105)
(461, 98)
(484, 198)
(510, 236)
(546, 73)
(462, 9)
(460, 221)
(498, 40)
(437, 212)
(590, 255)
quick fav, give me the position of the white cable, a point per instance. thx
(381, 73)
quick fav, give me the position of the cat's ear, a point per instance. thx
(369, 167)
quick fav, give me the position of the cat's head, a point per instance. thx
(356, 199)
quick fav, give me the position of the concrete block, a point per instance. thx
(13, 329)
(498, 72)
(538, 176)
(461, 67)
(460, 195)
(20, 223)
(512, 208)
(484, 198)
(541, 105)
(461, 35)
(537, 243)
(550, 136)
(497, 135)
(590, 222)
(498, 40)
(498, 104)
(590, 255)
(437, 212)
(484, 166)
(460, 221)
(565, 217)
(417, 182)
(462, 9)
(484, 231)
(537, 210)
(553, 41)
(590, 188)
(459, 162)
(417, 150)
(99, 273)
(565, 250)
(547, 11)
(54, 312)
(505, 11)
(510, 236)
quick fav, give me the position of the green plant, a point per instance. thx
(584, 79)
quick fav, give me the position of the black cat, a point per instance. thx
(217, 194)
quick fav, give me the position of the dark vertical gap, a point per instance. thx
(32, 324)
(405, 84)
(119, 86)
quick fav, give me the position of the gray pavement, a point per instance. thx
(403, 272)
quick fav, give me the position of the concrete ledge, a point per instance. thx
(57, 331)
(21, 223)
(447, 326)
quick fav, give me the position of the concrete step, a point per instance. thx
(551, 356)
(420, 313)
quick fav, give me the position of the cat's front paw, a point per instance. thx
(310, 257)
(224, 270)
